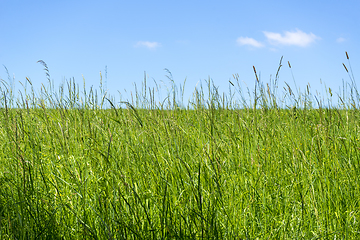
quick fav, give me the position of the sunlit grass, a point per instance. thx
(274, 167)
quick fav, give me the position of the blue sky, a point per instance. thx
(195, 40)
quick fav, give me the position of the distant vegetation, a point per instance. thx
(279, 166)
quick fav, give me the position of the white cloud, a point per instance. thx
(340, 40)
(297, 38)
(249, 41)
(150, 45)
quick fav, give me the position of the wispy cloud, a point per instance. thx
(295, 38)
(149, 45)
(249, 41)
(340, 40)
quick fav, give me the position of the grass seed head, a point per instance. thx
(257, 79)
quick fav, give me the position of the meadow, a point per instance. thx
(283, 165)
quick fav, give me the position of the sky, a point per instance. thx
(194, 40)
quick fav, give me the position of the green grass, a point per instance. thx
(218, 169)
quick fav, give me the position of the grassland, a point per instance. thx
(71, 169)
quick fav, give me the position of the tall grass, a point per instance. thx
(235, 166)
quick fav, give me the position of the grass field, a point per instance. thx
(72, 169)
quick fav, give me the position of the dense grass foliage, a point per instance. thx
(70, 169)
(203, 173)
